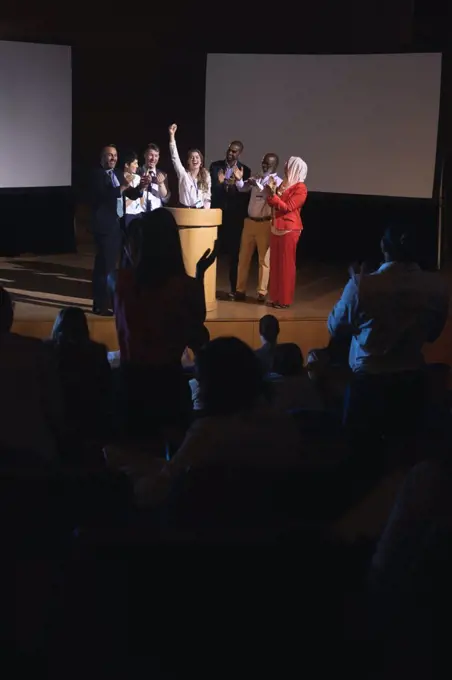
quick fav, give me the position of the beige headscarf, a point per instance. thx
(296, 170)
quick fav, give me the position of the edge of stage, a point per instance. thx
(41, 285)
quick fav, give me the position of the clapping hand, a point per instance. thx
(145, 181)
(206, 260)
(252, 181)
(238, 173)
(172, 129)
(161, 177)
(270, 189)
(221, 176)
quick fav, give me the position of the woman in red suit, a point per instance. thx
(286, 202)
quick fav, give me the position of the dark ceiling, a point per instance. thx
(322, 26)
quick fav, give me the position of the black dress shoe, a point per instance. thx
(239, 297)
(102, 312)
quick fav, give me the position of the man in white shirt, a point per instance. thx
(388, 316)
(158, 193)
(256, 230)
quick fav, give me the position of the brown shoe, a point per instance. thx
(261, 298)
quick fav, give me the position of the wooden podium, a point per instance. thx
(198, 230)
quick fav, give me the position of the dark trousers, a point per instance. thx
(149, 398)
(230, 238)
(105, 262)
(125, 237)
(386, 404)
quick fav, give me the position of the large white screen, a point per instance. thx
(35, 115)
(364, 124)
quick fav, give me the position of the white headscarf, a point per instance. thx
(296, 170)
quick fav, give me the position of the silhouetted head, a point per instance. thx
(158, 247)
(6, 311)
(200, 340)
(230, 376)
(288, 359)
(399, 244)
(71, 326)
(269, 329)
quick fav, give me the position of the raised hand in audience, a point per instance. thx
(172, 129)
(206, 260)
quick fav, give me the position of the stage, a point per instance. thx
(41, 285)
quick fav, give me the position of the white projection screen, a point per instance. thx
(364, 124)
(35, 115)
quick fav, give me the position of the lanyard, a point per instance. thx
(195, 184)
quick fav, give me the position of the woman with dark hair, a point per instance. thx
(194, 180)
(85, 377)
(159, 310)
(133, 207)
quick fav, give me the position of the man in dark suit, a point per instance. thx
(233, 203)
(107, 187)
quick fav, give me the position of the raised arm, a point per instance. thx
(247, 184)
(341, 318)
(163, 188)
(175, 158)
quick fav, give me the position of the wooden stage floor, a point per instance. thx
(41, 285)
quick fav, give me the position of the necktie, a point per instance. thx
(149, 192)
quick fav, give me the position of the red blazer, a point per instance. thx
(287, 208)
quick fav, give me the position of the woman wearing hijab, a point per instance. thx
(286, 202)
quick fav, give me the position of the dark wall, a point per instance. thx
(130, 84)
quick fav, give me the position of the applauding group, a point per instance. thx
(260, 211)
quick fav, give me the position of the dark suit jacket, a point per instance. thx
(230, 200)
(104, 197)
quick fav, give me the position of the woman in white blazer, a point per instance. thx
(194, 180)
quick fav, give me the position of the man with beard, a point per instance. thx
(225, 195)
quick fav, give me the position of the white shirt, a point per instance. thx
(390, 314)
(189, 193)
(152, 198)
(258, 206)
(134, 206)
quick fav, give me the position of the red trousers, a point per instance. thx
(283, 267)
